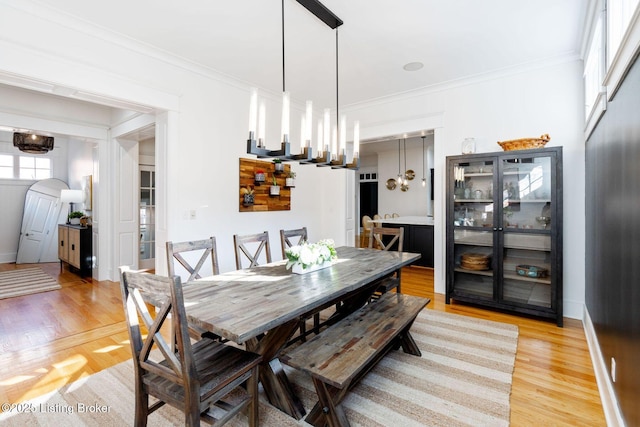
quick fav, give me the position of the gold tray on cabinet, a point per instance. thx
(525, 143)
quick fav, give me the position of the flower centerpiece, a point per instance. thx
(308, 257)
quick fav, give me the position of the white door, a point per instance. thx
(128, 240)
(42, 212)
(147, 256)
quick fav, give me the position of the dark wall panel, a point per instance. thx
(613, 239)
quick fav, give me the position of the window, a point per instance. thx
(619, 14)
(622, 38)
(24, 167)
(35, 167)
(594, 99)
(6, 166)
(368, 176)
(593, 70)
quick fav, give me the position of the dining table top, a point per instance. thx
(243, 304)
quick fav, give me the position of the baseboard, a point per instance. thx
(8, 257)
(607, 395)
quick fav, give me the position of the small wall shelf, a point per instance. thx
(263, 201)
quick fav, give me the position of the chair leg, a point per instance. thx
(252, 389)
(142, 406)
(192, 410)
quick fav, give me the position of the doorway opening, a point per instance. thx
(368, 199)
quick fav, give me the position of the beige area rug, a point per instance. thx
(462, 379)
(25, 281)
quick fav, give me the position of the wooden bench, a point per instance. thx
(341, 355)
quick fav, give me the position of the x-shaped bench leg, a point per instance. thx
(328, 410)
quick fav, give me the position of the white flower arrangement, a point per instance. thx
(309, 255)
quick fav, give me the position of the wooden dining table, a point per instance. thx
(261, 307)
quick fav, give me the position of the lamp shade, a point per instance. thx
(72, 196)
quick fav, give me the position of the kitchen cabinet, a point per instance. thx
(504, 231)
(418, 237)
(75, 247)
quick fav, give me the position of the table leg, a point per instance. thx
(272, 376)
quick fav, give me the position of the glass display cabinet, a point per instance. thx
(504, 231)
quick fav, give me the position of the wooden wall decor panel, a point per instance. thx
(262, 200)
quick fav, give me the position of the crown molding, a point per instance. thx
(465, 81)
(68, 21)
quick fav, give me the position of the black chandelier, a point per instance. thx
(335, 156)
(32, 143)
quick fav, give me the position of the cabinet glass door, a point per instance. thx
(527, 222)
(473, 224)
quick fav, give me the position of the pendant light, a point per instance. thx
(424, 179)
(32, 143)
(399, 178)
(405, 180)
(255, 143)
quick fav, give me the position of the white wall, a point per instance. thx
(546, 98)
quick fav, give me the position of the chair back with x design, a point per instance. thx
(378, 235)
(377, 239)
(191, 377)
(176, 252)
(241, 242)
(287, 235)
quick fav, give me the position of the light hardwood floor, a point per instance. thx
(53, 338)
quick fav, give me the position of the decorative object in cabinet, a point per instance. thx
(504, 248)
(75, 247)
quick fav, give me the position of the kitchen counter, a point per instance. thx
(410, 220)
(418, 235)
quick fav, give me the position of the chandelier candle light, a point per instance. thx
(331, 144)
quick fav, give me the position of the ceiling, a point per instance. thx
(242, 39)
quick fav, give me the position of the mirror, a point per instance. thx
(43, 211)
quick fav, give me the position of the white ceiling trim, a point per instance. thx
(53, 125)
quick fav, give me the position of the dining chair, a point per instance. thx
(377, 216)
(387, 216)
(178, 252)
(366, 230)
(240, 244)
(388, 238)
(285, 241)
(395, 215)
(286, 235)
(192, 377)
